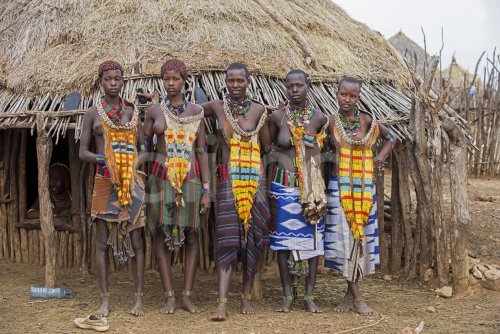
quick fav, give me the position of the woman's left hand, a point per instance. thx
(204, 203)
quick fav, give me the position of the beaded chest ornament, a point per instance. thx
(119, 148)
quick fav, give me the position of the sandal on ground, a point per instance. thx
(92, 322)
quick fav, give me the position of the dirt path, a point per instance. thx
(400, 304)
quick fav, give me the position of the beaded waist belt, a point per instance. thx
(222, 172)
(159, 170)
(285, 178)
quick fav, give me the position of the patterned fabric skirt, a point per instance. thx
(231, 243)
(290, 229)
(162, 210)
(120, 220)
(353, 259)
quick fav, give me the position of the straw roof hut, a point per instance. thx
(45, 57)
(414, 54)
(460, 77)
(49, 49)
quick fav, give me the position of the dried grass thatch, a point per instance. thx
(54, 46)
(460, 78)
(414, 54)
(49, 48)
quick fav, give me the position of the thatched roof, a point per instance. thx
(460, 78)
(56, 46)
(51, 48)
(414, 54)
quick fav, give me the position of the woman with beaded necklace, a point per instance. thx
(177, 195)
(351, 238)
(298, 199)
(242, 209)
(118, 196)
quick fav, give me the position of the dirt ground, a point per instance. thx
(399, 303)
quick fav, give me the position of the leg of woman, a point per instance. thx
(224, 276)
(192, 249)
(310, 284)
(101, 255)
(286, 281)
(359, 305)
(163, 259)
(245, 307)
(138, 267)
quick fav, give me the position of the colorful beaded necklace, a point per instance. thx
(244, 164)
(176, 109)
(301, 116)
(114, 114)
(120, 152)
(351, 125)
(238, 108)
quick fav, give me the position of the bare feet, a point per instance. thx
(104, 309)
(187, 304)
(169, 307)
(246, 308)
(137, 309)
(361, 307)
(221, 312)
(286, 306)
(309, 306)
(344, 307)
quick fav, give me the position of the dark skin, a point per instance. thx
(237, 84)
(112, 83)
(59, 197)
(348, 98)
(155, 124)
(297, 87)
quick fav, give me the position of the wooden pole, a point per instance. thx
(15, 242)
(75, 166)
(459, 205)
(396, 235)
(21, 180)
(44, 151)
(405, 207)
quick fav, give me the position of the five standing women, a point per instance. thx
(179, 187)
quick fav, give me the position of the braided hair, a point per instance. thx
(109, 65)
(174, 65)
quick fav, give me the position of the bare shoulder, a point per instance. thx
(195, 109)
(320, 117)
(154, 110)
(276, 116)
(217, 106)
(366, 117)
(91, 112)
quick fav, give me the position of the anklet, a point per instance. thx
(289, 297)
(139, 294)
(246, 297)
(104, 294)
(222, 301)
(187, 293)
(170, 293)
(308, 298)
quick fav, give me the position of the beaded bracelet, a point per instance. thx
(201, 149)
(391, 136)
(99, 159)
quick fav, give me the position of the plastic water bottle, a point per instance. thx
(44, 292)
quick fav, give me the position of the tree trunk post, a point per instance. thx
(459, 205)
(44, 152)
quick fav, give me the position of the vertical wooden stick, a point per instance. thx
(44, 151)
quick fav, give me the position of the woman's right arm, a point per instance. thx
(86, 137)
